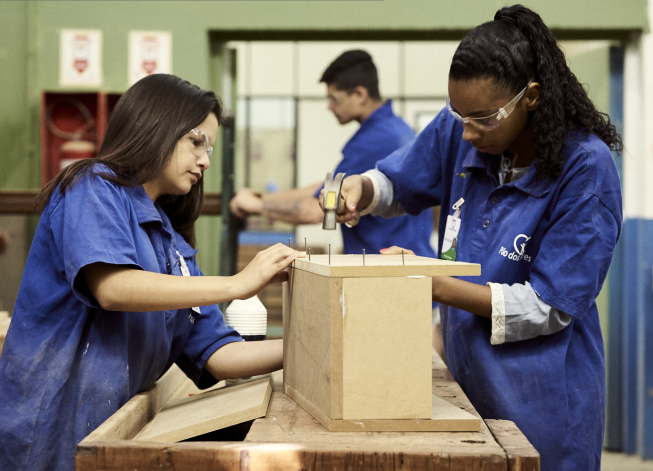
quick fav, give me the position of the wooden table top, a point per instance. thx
(288, 438)
(499, 445)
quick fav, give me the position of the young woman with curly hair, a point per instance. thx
(524, 147)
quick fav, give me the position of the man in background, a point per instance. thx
(353, 94)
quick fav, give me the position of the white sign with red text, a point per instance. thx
(150, 52)
(80, 58)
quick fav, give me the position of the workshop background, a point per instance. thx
(265, 58)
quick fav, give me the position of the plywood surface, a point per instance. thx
(287, 422)
(206, 412)
(309, 346)
(445, 417)
(127, 421)
(375, 265)
(386, 366)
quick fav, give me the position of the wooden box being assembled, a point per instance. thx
(357, 342)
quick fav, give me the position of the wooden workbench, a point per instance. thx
(289, 438)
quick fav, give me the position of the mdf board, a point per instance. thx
(209, 411)
(174, 409)
(357, 341)
(386, 348)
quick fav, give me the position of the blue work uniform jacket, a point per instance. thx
(559, 235)
(382, 133)
(68, 364)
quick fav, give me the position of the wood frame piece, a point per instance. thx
(209, 411)
(375, 265)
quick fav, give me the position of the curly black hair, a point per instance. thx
(516, 48)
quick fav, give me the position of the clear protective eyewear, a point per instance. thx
(492, 121)
(199, 143)
(337, 97)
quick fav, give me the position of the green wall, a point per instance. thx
(29, 50)
(29, 42)
(16, 163)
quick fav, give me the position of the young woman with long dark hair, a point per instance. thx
(106, 301)
(521, 162)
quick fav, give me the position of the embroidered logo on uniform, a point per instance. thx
(520, 247)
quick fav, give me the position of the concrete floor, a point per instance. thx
(619, 462)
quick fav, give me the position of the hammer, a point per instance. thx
(332, 187)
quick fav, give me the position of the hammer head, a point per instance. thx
(331, 195)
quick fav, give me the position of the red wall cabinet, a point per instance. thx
(72, 127)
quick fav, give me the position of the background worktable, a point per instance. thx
(289, 438)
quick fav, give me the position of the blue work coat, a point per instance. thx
(382, 133)
(67, 364)
(559, 235)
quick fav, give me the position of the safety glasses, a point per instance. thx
(336, 97)
(199, 143)
(492, 121)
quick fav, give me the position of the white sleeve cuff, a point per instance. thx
(498, 315)
(375, 198)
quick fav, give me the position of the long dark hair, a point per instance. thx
(516, 48)
(143, 131)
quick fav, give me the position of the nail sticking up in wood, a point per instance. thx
(304, 244)
(289, 246)
(402, 258)
(363, 257)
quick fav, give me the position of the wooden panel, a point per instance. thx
(209, 411)
(307, 336)
(18, 202)
(386, 348)
(351, 266)
(125, 423)
(22, 202)
(337, 349)
(287, 422)
(522, 456)
(238, 456)
(445, 417)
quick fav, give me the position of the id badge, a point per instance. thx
(186, 272)
(450, 241)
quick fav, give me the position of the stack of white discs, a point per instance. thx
(249, 317)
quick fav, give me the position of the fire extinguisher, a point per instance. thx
(78, 144)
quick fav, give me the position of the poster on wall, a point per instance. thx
(80, 58)
(150, 52)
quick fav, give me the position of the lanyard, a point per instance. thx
(185, 272)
